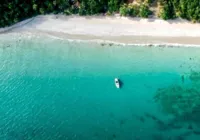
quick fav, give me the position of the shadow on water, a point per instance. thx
(121, 83)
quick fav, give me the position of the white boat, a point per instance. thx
(117, 83)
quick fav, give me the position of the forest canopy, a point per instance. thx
(187, 9)
(13, 11)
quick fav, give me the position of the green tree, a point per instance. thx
(167, 11)
(124, 11)
(41, 10)
(82, 8)
(93, 7)
(129, 10)
(144, 11)
(133, 10)
(114, 5)
(35, 7)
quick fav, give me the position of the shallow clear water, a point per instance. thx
(56, 89)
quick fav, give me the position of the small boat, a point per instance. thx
(117, 83)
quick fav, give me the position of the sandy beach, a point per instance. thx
(115, 28)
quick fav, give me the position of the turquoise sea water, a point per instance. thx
(53, 89)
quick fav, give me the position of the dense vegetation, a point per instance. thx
(135, 10)
(13, 11)
(188, 9)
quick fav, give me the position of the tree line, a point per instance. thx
(187, 9)
(13, 11)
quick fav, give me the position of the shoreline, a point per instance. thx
(115, 29)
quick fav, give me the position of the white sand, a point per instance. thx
(121, 29)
